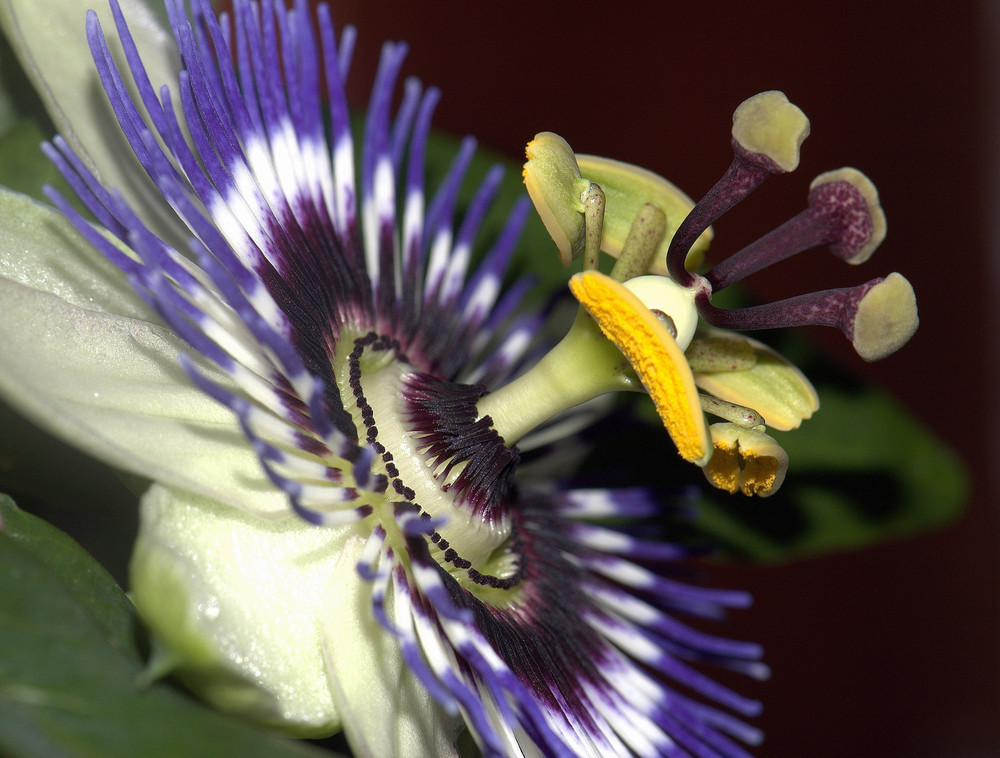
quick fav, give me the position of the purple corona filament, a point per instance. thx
(303, 282)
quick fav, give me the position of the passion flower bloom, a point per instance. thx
(333, 401)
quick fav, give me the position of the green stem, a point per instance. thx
(584, 365)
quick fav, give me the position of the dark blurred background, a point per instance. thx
(886, 651)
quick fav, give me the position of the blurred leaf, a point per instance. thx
(23, 166)
(68, 681)
(24, 124)
(18, 101)
(87, 499)
(862, 470)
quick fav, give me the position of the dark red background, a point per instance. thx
(891, 651)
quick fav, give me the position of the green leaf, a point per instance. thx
(861, 471)
(24, 124)
(23, 166)
(68, 675)
(18, 101)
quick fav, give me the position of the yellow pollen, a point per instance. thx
(654, 355)
(723, 470)
(732, 469)
(745, 460)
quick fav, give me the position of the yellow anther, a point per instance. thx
(747, 460)
(653, 355)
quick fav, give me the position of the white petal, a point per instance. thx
(386, 711)
(112, 386)
(239, 599)
(50, 39)
(40, 249)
